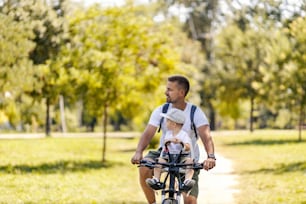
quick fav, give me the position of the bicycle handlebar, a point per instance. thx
(151, 164)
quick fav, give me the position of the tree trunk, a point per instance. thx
(251, 114)
(104, 133)
(62, 111)
(80, 112)
(192, 28)
(301, 121)
(48, 119)
(212, 117)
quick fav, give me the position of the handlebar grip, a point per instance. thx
(143, 161)
(146, 163)
(198, 166)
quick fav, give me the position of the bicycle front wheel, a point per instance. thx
(170, 201)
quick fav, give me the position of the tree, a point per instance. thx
(123, 57)
(294, 73)
(48, 25)
(244, 65)
(15, 46)
(286, 80)
(201, 24)
(253, 30)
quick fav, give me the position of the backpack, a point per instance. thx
(193, 109)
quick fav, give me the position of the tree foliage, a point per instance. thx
(115, 60)
(202, 18)
(15, 46)
(252, 50)
(243, 56)
(123, 57)
(294, 73)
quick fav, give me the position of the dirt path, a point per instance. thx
(217, 186)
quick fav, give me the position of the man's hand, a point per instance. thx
(136, 158)
(209, 163)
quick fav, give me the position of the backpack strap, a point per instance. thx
(164, 110)
(193, 127)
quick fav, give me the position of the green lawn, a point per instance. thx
(271, 166)
(58, 170)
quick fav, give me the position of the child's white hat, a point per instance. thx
(175, 115)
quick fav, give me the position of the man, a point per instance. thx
(176, 91)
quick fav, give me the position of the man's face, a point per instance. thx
(173, 92)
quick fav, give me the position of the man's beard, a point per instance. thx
(168, 100)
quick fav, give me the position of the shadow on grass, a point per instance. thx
(57, 167)
(265, 142)
(128, 150)
(282, 168)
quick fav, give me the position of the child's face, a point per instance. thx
(170, 124)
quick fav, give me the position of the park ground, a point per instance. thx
(268, 166)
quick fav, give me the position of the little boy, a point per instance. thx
(175, 119)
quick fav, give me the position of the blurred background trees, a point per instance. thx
(66, 67)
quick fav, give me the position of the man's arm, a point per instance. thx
(204, 133)
(144, 141)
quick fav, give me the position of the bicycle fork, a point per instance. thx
(174, 193)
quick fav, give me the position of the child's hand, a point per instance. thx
(187, 147)
(168, 141)
(173, 140)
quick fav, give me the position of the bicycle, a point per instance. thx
(174, 170)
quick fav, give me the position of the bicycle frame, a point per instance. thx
(173, 172)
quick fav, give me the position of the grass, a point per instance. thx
(271, 167)
(62, 170)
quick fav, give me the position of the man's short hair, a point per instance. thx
(182, 81)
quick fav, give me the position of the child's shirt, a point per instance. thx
(176, 148)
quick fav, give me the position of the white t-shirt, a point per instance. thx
(176, 148)
(200, 119)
